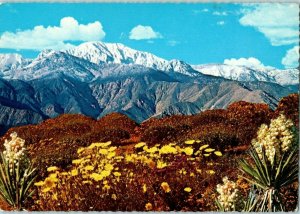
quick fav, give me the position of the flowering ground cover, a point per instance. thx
(243, 158)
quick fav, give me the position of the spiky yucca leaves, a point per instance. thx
(270, 178)
(16, 178)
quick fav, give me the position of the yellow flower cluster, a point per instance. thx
(275, 139)
(228, 194)
(103, 166)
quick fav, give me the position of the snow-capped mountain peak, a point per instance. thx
(244, 73)
(99, 52)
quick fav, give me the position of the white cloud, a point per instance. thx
(221, 23)
(52, 37)
(173, 43)
(291, 59)
(141, 32)
(217, 13)
(278, 22)
(250, 62)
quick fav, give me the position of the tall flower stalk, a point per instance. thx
(16, 173)
(229, 196)
(274, 164)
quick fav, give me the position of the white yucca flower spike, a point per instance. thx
(276, 138)
(14, 149)
(228, 194)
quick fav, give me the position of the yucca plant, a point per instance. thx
(270, 178)
(16, 177)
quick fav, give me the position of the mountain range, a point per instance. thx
(97, 78)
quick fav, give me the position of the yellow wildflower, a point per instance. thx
(52, 168)
(114, 196)
(80, 150)
(109, 167)
(182, 171)
(167, 150)
(89, 167)
(77, 161)
(206, 155)
(198, 152)
(106, 187)
(96, 176)
(189, 142)
(152, 150)
(188, 189)
(161, 164)
(131, 174)
(144, 188)
(139, 145)
(203, 147)
(53, 175)
(145, 148)
(188, 150)
(148, 206)
(102, 145)
(209, 150)
(111, 155)
(117, 174)
(198, 141)
(74, 172)
(113, 148)
(103, 151)
(105, 173)
(211, 172)
(54, 196)
(218, 153)
(129, 158)
(40, 183)
(50, 182)
(192, 174)
(165, 186)
(44, 190)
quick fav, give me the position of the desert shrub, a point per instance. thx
(220, 137)
(217, 116)
(116, 121)
(51, 152)
(114, 135)
(155, 135)
(247, 117)
(289, 106)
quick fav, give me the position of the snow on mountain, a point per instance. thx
(11, 61)
(243, 73)
(99, 52)
(92, 60)
(51, 62)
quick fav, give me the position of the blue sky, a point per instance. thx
(259, 34)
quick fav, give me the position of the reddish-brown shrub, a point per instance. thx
(289, 106)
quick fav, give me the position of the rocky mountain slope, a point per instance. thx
(95, 79)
